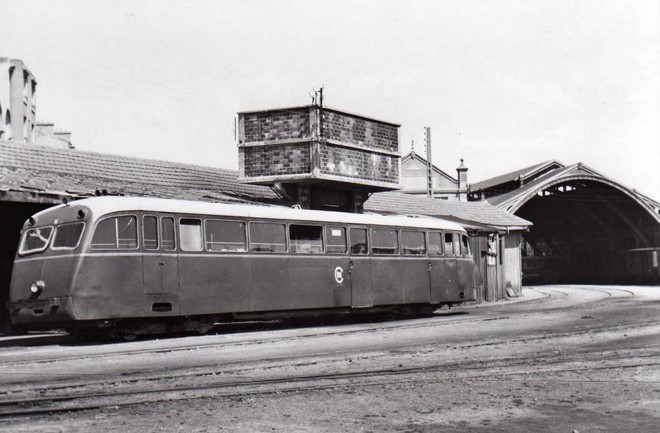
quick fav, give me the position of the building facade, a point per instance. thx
(17, 101)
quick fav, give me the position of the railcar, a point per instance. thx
(145, 265)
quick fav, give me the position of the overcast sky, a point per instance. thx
(503, 84)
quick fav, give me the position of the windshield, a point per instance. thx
(35, 240)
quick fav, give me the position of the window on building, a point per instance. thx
(35, 240)
(190, 234)
(435, 243)
(306, 239)
(118, 233)
(67, 236)
(449, 244)
(413, 243)
(384, 241)
(268, 237)
(465, 245)
(335, 239)
(225, 236)
(167, 236)
(358, 238)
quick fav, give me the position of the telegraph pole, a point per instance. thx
(429, 163)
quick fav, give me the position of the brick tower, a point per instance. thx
(317, 156)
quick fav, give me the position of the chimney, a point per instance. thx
(462, 182)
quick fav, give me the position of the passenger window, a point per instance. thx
(358, 241)
(306, 239)
(268, 237)
(336, 239)
(35, 240)
(449, 244)
(116, 233)
(465, 245)
(67, 236)
(413, 243)
(150, 232)
(457, 244)
(225, 236)
(384, 241)
(435, 244)
(190, 233)
(167, 236)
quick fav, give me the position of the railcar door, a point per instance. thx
(414, 268)
(160, 266)
(359, 269)
(444, 273)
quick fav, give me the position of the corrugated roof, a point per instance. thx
(514, 175)
(43, 171)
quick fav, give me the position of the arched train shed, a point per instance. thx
(587, 227)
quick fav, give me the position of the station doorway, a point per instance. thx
(587, 231)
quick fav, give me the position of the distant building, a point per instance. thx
(414, 179)
(46, 135)
(17, 101)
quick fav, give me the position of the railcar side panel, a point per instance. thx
(444, 279)
(386, 276)
(316, 282)
(415, 280)
(113, 286)
(212, 283)
(270, 283)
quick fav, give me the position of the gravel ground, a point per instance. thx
(563, 359)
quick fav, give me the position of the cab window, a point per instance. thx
(465, 245)
(118, 233)
(150, 232)
(67, 236)
(35, 240)
(435, 243)
(449, 244)
(358, 241)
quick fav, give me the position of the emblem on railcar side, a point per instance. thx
(339, 275)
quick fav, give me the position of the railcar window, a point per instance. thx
(150, 232)
(67, 236)
(190, 232)
(358, 241)
(116, 233)
(435, 243)
(335, 239)
(413, 243)
(167, 236)
(449, 244)
(35, 240)
(465, 245)
(384, 241)
(457, 244)
(268, 237)
(224, 236)
(305, 239)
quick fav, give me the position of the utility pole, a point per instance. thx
(429, 163)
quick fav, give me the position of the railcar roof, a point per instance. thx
(104, 205)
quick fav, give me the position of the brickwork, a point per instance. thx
(356, 130)
(358, 164)
(276, 125)
(274, 160)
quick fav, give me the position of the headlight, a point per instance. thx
(37, 287)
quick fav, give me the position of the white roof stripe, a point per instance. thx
(100, 206)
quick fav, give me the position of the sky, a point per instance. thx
(503, 84)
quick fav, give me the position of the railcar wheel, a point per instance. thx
(124, 334)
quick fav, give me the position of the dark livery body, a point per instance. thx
(137, 264)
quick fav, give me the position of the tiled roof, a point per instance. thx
(514, 175)
(42, 170)
(475, 211)
(25, 167)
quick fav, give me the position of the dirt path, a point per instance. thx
(565, 358)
